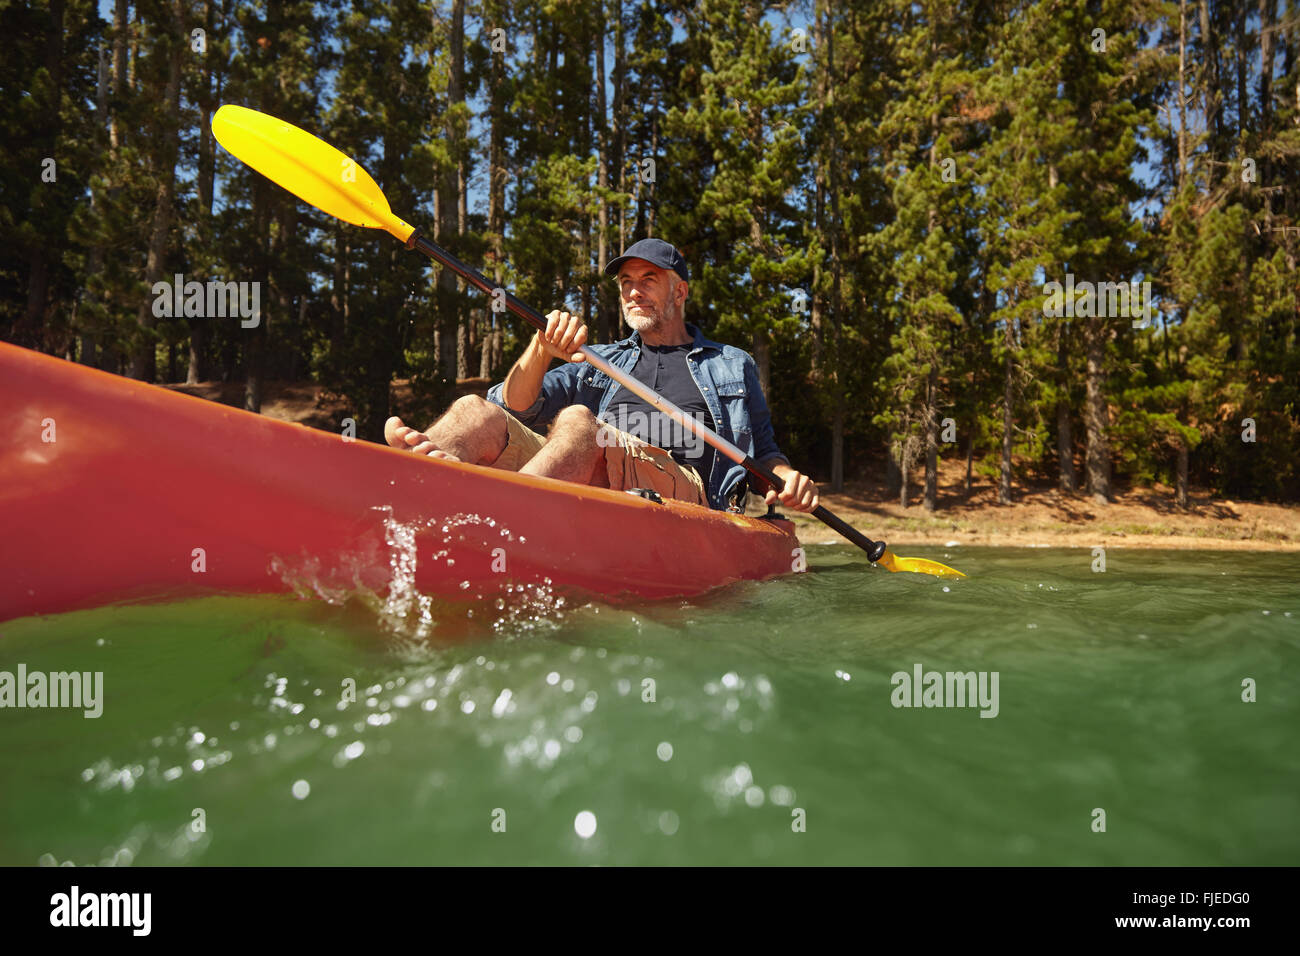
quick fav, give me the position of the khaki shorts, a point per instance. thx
(629, 461)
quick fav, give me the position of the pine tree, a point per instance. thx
(752, 109)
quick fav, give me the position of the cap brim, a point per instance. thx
(612, 267)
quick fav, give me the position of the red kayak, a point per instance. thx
(114, 490)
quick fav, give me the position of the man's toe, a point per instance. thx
(394, 432)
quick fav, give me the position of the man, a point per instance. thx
(716, 384)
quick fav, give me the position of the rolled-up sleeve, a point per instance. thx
(760, 419)
(559, 390)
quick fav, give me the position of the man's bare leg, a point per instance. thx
(472, 430)
(571, 452)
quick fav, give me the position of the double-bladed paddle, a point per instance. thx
(320, 175)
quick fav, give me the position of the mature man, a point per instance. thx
(716, 384)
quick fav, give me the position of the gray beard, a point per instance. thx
(649, 321)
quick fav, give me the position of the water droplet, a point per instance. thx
(502, 703)
(665, 751)
(584, 824)
(300, 789)
(781, 796)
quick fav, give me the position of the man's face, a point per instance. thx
(651, 297)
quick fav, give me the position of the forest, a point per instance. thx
(1051, 241)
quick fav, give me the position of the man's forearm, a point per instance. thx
(524, 381)
(778, 466)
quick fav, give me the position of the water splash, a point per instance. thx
(386, 584)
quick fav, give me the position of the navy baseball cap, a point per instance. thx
(655, 251)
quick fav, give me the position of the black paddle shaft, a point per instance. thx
(874, 549)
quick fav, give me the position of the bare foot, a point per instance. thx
(408, 439)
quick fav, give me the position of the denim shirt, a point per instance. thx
(726, 376)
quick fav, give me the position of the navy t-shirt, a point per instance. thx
(664, 369)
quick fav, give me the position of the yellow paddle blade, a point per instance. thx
(307, 166)
(891, 562)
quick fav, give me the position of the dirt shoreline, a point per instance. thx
(1040, 516)
(1047, 518)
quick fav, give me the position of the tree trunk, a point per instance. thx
(604, 310)
(194, 373)
(893, 471)
(456, 362)
(835, 227)
(496, 210)
(255, 343)
(1210, 105)
(1180, 488)
(1267, 15)
(90, 325)
(120, 26)
(931, 441)
(1096, 415)
(31, 326)
(1069, 482)
(837, 446)
(904, 470)
(32, 329)
(1182, 94)
(816, 319)
(1242, 57)
(253, 369)
(462, 347)
(143, 353)
(207, 178)
(618, 128)
(970, 459)
(1004, 483)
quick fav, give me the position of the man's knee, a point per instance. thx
(575, 417)
(473, 410)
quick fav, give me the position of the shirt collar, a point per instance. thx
(700, 344)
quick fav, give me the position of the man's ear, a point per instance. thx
(686, 288)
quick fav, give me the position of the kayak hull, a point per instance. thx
(111, 490)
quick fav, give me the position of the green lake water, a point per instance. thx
(527, 733)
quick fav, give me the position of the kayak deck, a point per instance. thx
(146, 493)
